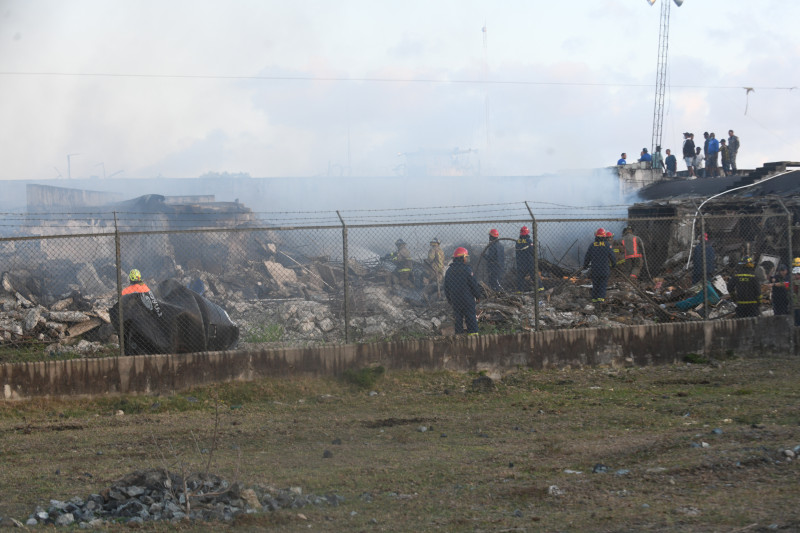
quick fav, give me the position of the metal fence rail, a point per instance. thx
(295, 284)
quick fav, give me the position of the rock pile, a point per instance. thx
(153, 495)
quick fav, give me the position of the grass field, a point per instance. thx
(517, 456)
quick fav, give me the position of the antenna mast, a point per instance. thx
(661, 75)
(486, 92)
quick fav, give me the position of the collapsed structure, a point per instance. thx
(289, 286)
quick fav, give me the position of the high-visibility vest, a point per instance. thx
(136, 287)
(631, 245)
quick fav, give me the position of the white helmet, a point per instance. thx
(795, 270)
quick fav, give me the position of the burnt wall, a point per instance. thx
(634, 345)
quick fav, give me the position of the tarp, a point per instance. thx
(173, 319)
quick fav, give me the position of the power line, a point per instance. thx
(376, 80)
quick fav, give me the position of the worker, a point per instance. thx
(401, 258)
(796, 290)
(435, 260)
(136, 283)
(633, 249)
(616, 247)
(462, 291)
(495, 255)
(745, 289)
(697, 260)
(524, 257)
(601, 259)
(780, 290)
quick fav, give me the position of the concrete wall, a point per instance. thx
(635, 345)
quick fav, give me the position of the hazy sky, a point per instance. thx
(171, 88)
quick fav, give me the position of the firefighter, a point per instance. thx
(524, 256)
(745, 288)
(495, 255)
(601, 259)
(462, 291)
(136, 283)
(796, 290)
(633, 250)
(616, 247)
(435, 260)
(401, 259)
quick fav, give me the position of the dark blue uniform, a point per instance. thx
(461, 291)
(697, 262)
(495, 263)
(746, 291)
(601, 258)
(524, 255)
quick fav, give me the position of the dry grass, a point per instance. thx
(485, 463)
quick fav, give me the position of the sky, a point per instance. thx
(178, 89)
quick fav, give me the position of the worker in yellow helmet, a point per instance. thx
(136, 283)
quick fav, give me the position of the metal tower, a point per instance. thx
(661, 75)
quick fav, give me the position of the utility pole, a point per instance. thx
(69, 166)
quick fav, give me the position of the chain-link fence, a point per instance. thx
(277, 285)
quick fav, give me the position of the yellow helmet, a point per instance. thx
(135, 276)
(796, 262)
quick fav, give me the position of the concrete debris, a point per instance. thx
(157, 495)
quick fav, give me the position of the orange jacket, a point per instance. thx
(631, 244)
(136, 287)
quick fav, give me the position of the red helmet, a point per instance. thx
(600, 232)
(524, 230)
(609, 235)
(494, 233)
(460, 252)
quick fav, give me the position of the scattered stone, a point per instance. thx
(482, 384)
(716, 431)
(422, 429)
(599, 468)
(327, 454)
(553, 490)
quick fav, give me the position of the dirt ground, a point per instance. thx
(692, 447)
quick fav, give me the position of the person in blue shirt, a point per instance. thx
(712, 153)
(623, 159)
(672, 164)
(645, 157)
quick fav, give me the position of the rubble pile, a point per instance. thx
(155, 495)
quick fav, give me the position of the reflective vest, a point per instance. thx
(631, 244)
(136, 287)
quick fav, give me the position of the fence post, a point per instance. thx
(535, 246)
(789, 223)
(119, 286)
(705, 275)
(344, 280)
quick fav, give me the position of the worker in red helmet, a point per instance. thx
(601, 259)
(495, 256)
(524, 257)
(462, 292)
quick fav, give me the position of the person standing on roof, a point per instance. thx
(601, 259)
(712, 170)
(495, 255)
(633, 252)
(524, 257)
(671, 163)
(645, 157)
(623, 159)
(462, 292)
(688, 152)
(725, 157)
(136, 283)
(733, 146)
(745, 288)
(658, 160)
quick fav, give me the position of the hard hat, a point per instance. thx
(494, 233)
(796, 262)
(135, 276)
(627, 229)
(460, 252)
(399, 242)
(524, 230)
(609, 235)
(795, 270)
(600, 232)
(435, 240)
(747, 260)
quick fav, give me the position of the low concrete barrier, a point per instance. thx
(619, 346)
